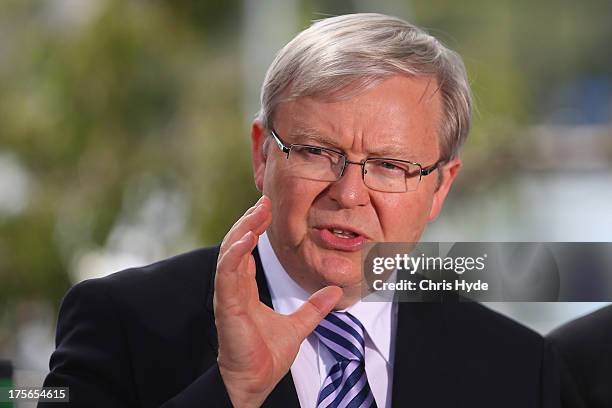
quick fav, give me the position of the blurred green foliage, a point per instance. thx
(148, 93)
(140, 90)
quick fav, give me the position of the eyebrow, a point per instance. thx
(392, 152)
(308, 135)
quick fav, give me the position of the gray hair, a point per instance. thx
(341, 56)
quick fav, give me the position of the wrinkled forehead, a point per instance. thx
(342, 88)
(400, 111)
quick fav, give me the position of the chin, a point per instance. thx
(339, 271)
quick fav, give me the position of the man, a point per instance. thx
(362, 117)
(585, 347)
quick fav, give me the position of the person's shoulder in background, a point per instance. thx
(585, 347)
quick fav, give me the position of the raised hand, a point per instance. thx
(256, 344)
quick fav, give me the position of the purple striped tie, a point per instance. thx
(346, 384)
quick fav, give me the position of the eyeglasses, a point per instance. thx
(378, 173)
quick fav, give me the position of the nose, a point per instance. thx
(350, 191)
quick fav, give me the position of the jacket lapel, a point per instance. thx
(284, 394)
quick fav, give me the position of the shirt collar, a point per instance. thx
(287, 296)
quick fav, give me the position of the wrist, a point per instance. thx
(238, 393)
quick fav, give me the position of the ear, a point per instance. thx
(258, 153)
(449, 171)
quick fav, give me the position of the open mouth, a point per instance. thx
(340, 237)
(342, 233)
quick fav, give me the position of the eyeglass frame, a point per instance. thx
(423, 171)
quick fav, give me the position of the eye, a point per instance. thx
(389, 166)
(314, 150)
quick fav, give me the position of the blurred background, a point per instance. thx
(124, 135)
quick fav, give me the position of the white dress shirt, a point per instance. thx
(313, 360)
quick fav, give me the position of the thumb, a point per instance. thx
(308, 316)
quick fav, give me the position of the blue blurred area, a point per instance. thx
(586, 101)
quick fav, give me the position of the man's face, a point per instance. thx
(397, 118)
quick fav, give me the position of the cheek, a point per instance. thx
(292, 200)
(404, 217)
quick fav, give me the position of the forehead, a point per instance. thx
(400, 115)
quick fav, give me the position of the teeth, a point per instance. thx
(343, 234)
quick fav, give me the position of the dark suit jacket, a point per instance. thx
(146, 337)
(585, 346)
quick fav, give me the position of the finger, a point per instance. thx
(229, 278)
(236, 254)
(264, 219)
(256, 220)
(310, 314)
(226, 240)
(254, 206)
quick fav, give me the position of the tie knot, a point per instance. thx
(343, 334)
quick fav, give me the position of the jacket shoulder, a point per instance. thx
(472, 329)
(188, 271)
(181, 283)
(586, 339)
(488, 335)
(490, 326)
(579, 332)
(120, 336)
(585, 349)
